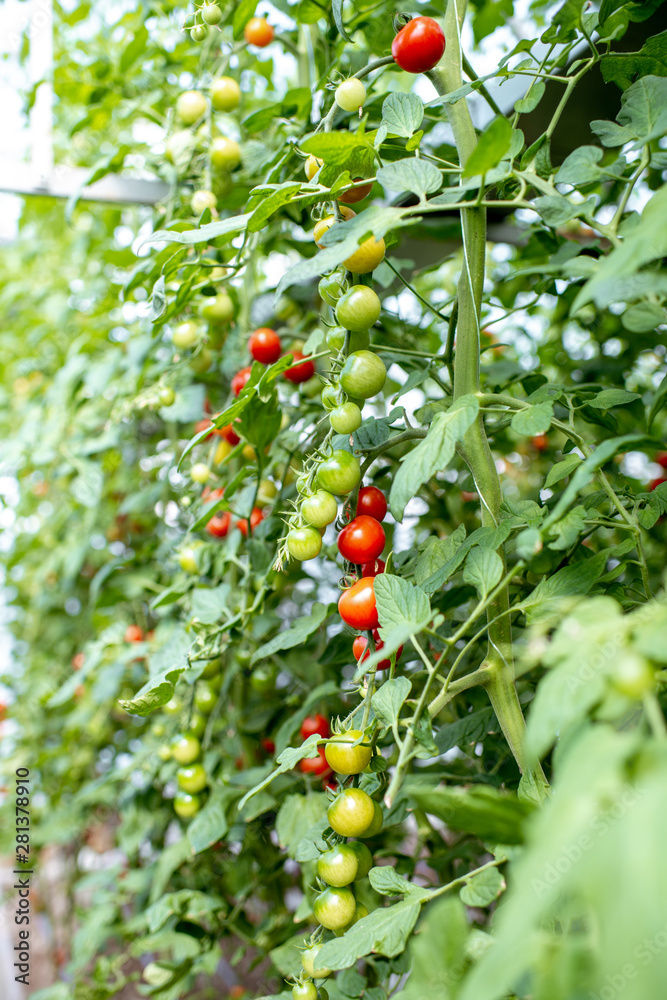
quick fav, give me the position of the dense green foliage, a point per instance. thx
(519, 440)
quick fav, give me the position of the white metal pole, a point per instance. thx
(40, 67)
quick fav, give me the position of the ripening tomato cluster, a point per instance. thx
(265, 347)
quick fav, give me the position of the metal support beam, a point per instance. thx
(66, 182)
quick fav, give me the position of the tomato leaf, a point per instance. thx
(297, 632)
(402, 114)
(383, 932)
(337, 8)
(494, 816)
(483, 888)
(390, 698)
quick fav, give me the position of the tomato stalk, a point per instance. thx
(476, 452)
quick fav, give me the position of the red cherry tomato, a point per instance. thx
(133, 633)
(540, 442)
(240, 379)
(419, 46)
(229, 434)
(201, 425)
(661, 459)
(315, 765)
(372, 501)
(362, 540)
(78, 661)
(373, 568)
(219, 524)
(315, 724)
(264, 345)
(268, 746)
(360, 651)
(300, 372)
(357, 605)
(656, 482)
(256, 516)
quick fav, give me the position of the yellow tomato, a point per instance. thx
(324, 224)
(312, 165)
(367, 257)
(223, 449)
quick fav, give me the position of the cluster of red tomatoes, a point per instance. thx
(264, 346)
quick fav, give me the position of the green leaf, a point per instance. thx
(470, 729)
(388, 882)
(657, 403)
(562, 469)
(335, 147)
(337, 7)
(286, 761)
(577, 578)
(482, 889)
(390, 698)
(437, 552)
(209, 604)
(270, 204)
(296, 634)
(644, 317)
(623, 68)
(534, 420)
(159, 688)
(528, 103)
(437, 951)
(528, 543)
(400, 603)
(493, 816)
(204, 234)
(557, 210)
(608, 398)
(383, 932)
(210, 823)
(644, 108)
(433, 454)
(565, 23)
(483, 570)
(418, 176)
(402, 114)
(581, 166)
(297, 814)
(243, 11)
(568, 529)
(492, 146)
(188, 904)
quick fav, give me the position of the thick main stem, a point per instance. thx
(477, 453)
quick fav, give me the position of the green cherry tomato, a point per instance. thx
(351, 813)
(304, 543)
(336, 339)
(186, 805)
(338, 866)
(334, 908)
(340, 473)
(172, 707)
(332, 286)
(359, 912)
(211, 13)
(331, 397)
(310, 964)
(205, 698)
(633, 676)
(192, 778)
(212, 668)
(198, 724)
(166, 396)
(376, 824)
(363, 374)
(359, 309)
(322, 993)
(218, 308)
(225, 93)
(364, 859)
(320, 509)
(344, 758)
(345, 419)
(164, 753)
(350, 94)
(263, 679)
(185, 748)
(198, 34)
(304, 991)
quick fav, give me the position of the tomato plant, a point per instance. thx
(361, 540)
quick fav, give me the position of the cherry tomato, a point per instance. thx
(225, 93)
(218, 308)
(78, 661)
(327, 222)
(310, 964)
(334, 908)
(419, 46)
(212, 668)
(304, 543)
(256, 516)
(376, 824)
(360, 651)
(364, 260)
(330, 289)
(359, 309)
(263, 678)
(363, 375)
(201, 200)
(211, 13)
(240, 379)
(201, 425)
(345, 758)
(186, 805)
(362, 540)
(198, 33)
(258, 32)
(167, 396)
(540, 442)
(185, 748)
(351, 813)
(304, 991)
(190, 106)
(319, 509)
(350, 94)
(192, 778)
(205, 698)
(357, 605)
(372, 501)
(229, 434)
(300, 372)
(355, 194)
(338, 866)
(340, 473)
(198, 724)
(364, 859)
(359, 912)
(200, 472)
(312, 165)
(317, 766)
(220, 524)
(661, 459)
(346, 418)
(264, 345)
(134, 633)
(633, 675)
(357, 342)
(656, 482)
(315, 724)
(268, 746)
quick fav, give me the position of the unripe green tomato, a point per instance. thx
(201, 361)
(345, 419)
(211, 13)
(212, 668)
(332, 286)
(198, 33)
(359, 912)
(351, 813)
(218, 308)
(186, 805)
(633, 675)
(304, 543)
(164, 753)
(267, 492)
(187, 560)
(158, 729)
(263, 679)
(343, 757)
(180, 147)
(304, 991)
(310, 965)
(376, 825)
(225, 153)
(338, 866)
(359, 341)
(205, 697)
(302, 483)
(364, 859)
(185, 748)
(185, 335)
(331, 397)
(340, 473)
(167, 396)
(192, 778)
(320, 509)
(359, 309)
(225, 93)
(190, 106)
(172, 707)
(334, 908)
(350, 94)
(198, 724)
(363, 375)
(200, 472)
(322, 993)
(202, 200)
